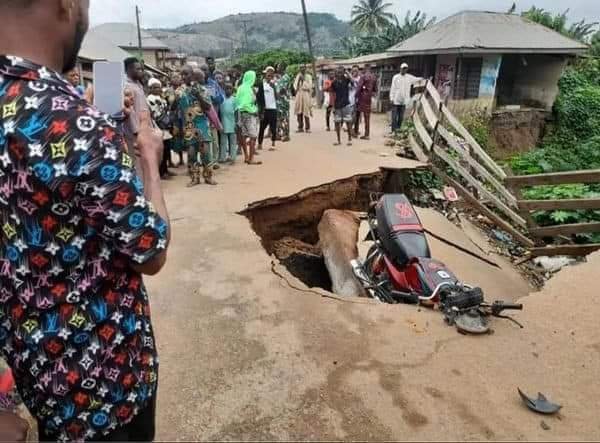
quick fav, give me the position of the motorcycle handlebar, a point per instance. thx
(498, 306)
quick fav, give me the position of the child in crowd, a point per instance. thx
(227, 110)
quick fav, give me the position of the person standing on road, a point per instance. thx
(266, 99)
(343, 112)
(366, 90)
(400, 94)
(140, 110)
(217, 96)
(354, 80)
(329, 98)
(211, 67)
(303, 85)
(79, 228)
(229, 146)
(195, 103)
(248, 117)
(283, 83)
(172, 95)
(159, 109)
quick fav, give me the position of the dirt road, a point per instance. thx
(246, 357)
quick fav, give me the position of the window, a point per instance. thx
(467, 85)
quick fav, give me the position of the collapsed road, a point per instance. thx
(245, 356)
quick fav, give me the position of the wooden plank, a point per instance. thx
(576, 250)
(499, 187)
(556, 178)
(477, 185)
(560, 205)
(576, 228)
(531, 223)
(485, 158)
(422, 132)
(500, 222)
(414, 145)
(432, 119)
(434, 94)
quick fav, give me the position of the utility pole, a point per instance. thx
(310, 51)
(245, 25)
(139, 33)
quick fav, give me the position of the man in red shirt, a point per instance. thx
(330, 98)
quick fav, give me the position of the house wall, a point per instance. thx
(532, 80)
(446, 79)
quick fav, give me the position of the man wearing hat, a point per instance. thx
(400, 95)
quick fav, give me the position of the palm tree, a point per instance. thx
(371, 15)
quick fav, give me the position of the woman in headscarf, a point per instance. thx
(303, 85)
(283, 103)
(248, 117)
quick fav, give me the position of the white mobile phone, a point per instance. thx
(109, 81)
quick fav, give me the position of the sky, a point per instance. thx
(173, 13)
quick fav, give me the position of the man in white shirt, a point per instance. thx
(400, 95)
(266, 99)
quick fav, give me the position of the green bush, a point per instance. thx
(572, 144)
(574, 141)
(478, 124)
(578, 111)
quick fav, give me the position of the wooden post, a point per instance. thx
(310, 51)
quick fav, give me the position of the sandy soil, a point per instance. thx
(246, 357)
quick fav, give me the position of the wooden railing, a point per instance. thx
(517, 183)
(440, 138)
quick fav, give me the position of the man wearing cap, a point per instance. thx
(400, 95)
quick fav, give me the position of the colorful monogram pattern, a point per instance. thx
(74, 317)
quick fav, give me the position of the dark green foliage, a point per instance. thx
(573, 144)
(574, 141)
(259, 61)
(581, 30)
(595, 45)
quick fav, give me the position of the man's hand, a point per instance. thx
(13, 427)
(150, 146)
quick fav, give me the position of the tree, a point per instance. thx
(394, 32)
(581, 30)
(595, 45)
(371, 15)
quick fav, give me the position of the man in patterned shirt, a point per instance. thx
(78, 228)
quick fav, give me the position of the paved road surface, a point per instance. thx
(245, 357)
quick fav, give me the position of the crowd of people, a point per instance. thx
(214, 116)
(208, 117)
(84, 216)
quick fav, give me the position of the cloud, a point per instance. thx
(172, 13)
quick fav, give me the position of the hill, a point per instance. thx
(265, 30)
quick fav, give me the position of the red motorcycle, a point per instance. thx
(399, 269)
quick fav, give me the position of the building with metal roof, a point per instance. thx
(125, 37)
(481, 60)
(483, 32)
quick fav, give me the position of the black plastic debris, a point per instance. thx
(541, 404)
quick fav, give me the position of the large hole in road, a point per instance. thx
(287, 226)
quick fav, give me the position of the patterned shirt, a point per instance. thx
(74, 316)
(192, 100)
